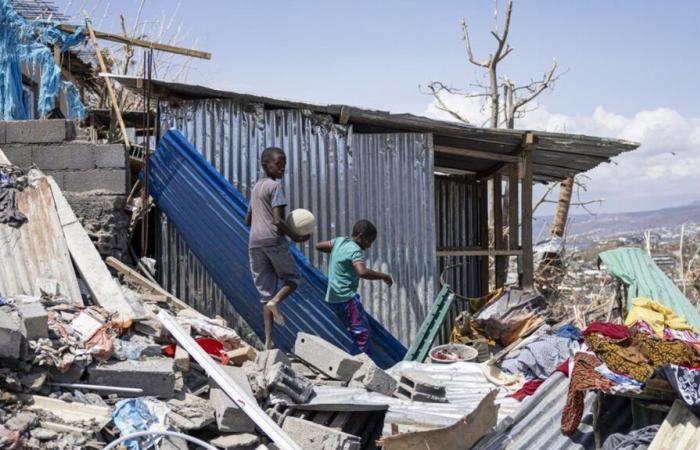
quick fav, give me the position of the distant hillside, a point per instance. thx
(588, 227)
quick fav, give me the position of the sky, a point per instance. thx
(630, 68)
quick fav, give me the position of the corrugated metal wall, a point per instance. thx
(338, 175)
(457, 210)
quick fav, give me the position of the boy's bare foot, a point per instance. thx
(269, 345)
(276, 314)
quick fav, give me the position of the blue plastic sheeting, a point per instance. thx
(644, 279)
(26, 43)
(209, 213)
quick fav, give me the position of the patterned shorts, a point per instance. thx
(353, 316)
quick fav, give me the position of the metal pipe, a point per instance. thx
(95, 387)
(138, 434)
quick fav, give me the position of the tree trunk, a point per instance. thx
(562, 214)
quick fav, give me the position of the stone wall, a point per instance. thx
(94, 177)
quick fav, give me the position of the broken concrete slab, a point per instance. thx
(12, 337)
(229, 417)
(241, 441)
(35, 320)
(256, 379)
(155, 376)
(282, 378)
(375, 379)
(268, 358)
(417, 386)
(312, 436)
(326, 357)
(189, 412)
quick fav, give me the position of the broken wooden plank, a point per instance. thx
(105, 291)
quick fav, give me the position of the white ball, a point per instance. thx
(301, 221)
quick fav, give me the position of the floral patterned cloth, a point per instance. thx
(686, 384)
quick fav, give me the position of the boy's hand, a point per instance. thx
(388, 280)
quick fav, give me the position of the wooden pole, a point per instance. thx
(108, 83)
(484, 227)
(498, 241)
(513, 211)
(529, 144)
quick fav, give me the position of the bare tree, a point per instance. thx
(515, 97)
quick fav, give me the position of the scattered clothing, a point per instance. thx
(271, 267)
(660, 353)
(569, 331)
(609, 330)
(641, 326)
(583, 378)
(353, 316)
(627, 360)
(9, 213)
(623, 383)
(656, 315)
(680, 335)
(539, 358)
(527, 390)
(634, 440)
(686, 384)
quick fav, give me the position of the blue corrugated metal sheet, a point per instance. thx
(644, 279)
(209, 214)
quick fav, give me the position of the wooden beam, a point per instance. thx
(484, 231)
(513, 207)
(529, 145)
(492, 156)
(498, 241)
(140, 43)
(488, 252)
(108, 83)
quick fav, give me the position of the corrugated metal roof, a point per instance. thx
(209, 214)
(644, 279)
(38, 248)
(38, 10)
(681, 429)
(557, 156)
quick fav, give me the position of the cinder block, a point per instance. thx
(281, 378)
(242, 441)
(35, 320)
(420, 387)
(229, 417)
(156, 376)
(375, 379)
(64, 157)
(110, 156)
(12, 338)
(36, 131)
(19, 155)
(107, 180)
(312, 436)
(326, 357)
(268, 358)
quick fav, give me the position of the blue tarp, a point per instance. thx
(209, 213)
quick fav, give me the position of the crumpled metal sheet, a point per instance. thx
(210, 214)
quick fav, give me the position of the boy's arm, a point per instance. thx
(325, 246)
(281, 224)
(369, 274)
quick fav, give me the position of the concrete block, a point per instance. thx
(64, 157)
(111, 156)
(242, 441)
(107, 180)
(326, 357)
(156, 376)
(240, 355)
(12, 339)
(312, 436)
(36, 131)
(35, 320)
(375, 379)
(281, 378)
(420, 387)
(19, 155)
(229, 417)
(268, 358)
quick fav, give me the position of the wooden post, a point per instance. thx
(484, 227)
(498, 241)
(529, 144)
(513, 211)
(108, 83)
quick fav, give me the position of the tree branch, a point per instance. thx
(546, 82)
(468, 46)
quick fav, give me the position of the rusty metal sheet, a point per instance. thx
(38, 248)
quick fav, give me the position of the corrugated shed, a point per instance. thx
(644, 279)
(338, 175)
(457, 215)
(209, 213)
(681, 429)
(38, 248)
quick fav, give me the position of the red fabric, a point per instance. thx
(609, 330)
(563, 368)
(211, 346)
(527, 390)
(583, 378)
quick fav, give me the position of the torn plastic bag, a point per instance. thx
(140, 414)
